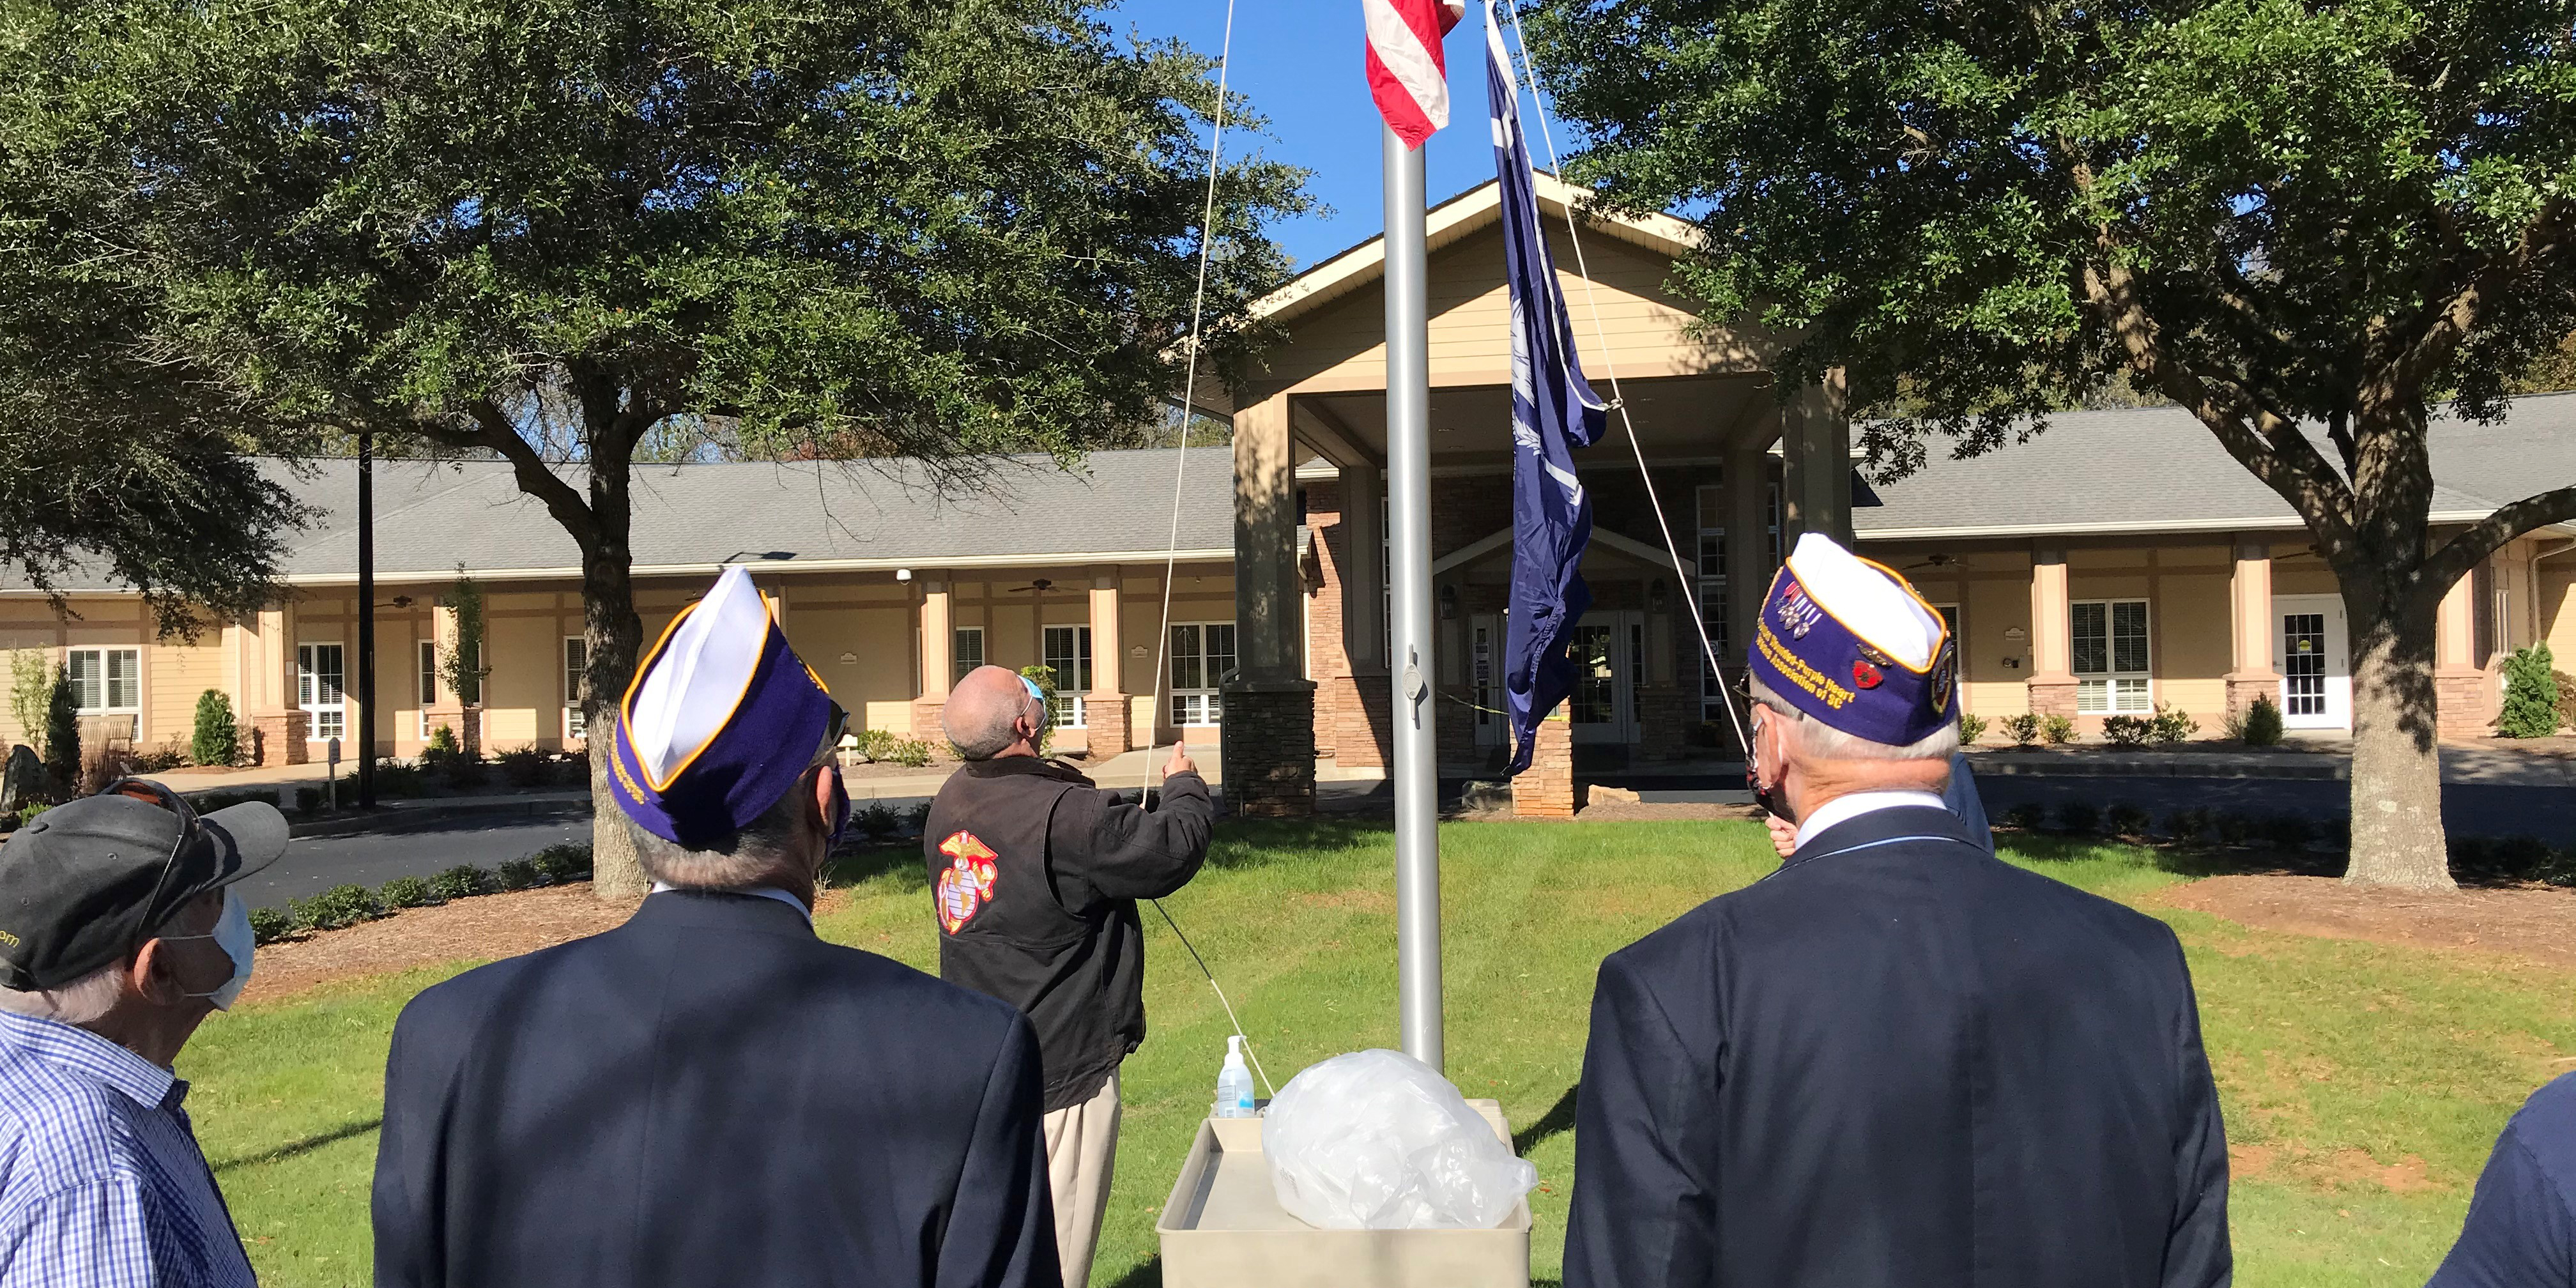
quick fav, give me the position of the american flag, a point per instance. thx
(1407, 75)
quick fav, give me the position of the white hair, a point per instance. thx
(86, 1000)
(1822, 741)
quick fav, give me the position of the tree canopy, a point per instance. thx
(2304, 223)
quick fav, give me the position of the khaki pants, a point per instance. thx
(1082, 1151)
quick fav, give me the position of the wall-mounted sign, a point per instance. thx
(849, 659)
(2015, 633)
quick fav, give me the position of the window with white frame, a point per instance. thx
(1067, 651)
(576, 655)
(428, 681)
(1202, 652)
(105, 681)
(2109, 639)
(966, 651)
(320, 691)
(1712, 505)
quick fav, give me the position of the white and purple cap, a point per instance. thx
(721, 721)
(1849, 642)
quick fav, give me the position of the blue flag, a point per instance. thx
(1553, 412)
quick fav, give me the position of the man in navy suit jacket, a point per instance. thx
(710, 1094)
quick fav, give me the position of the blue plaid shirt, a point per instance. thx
(101, 1181)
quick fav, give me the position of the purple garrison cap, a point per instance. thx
(1849, 642)
(721, 721)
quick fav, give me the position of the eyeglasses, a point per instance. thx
(144, 789)
(835, 727)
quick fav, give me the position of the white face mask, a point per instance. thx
(233, 934)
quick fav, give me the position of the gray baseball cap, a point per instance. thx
(88, 881)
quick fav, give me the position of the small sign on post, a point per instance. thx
(333, 755)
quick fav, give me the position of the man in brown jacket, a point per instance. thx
(1034, 875)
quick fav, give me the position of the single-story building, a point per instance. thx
(2118, 562)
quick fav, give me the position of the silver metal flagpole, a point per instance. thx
(1408, 494)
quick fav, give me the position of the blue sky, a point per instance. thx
(1299, 63)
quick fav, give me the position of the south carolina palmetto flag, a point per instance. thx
(1407, 75)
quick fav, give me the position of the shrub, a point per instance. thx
(2530, 695)
(523, 767)
(2056, 731)
(1971, 728)
(2186, 825)
(520, 874)
(2025, 817)
(31, 693)
(464, 881)
(27, 813)
(560, 864)
(2024, 728)
(339, 906)
(2560, 870)
(161, 759)
(62, 738)
(876, 821)
(2566, 698)
(307, 799)
(2261, 726)
(442, 742)
(397, 777)
(2171, 725)
(464, 770)
(877, 744)
(2079, 818)
(209, 802)
(268, 925)
(572, 769)
(216, 740)
(2336, 831)
(918, 817)
(2470, 856)
(912, 752)
(2288, 833)
(2127, 731)
(2125, 819)
(2233, 829)
(407, 892)
(2520, 858)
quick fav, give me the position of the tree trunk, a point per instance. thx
(613, 635)
(2396, 770)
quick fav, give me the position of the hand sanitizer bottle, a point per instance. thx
(1234, 1083)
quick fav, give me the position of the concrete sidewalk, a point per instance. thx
(2462, 764)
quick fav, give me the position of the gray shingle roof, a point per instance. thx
(431, 516)
(2158, 469)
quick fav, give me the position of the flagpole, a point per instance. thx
(1408, 495)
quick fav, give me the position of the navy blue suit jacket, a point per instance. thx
(1898, 1063)
(711, 1095)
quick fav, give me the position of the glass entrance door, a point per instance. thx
(1609, 652)
(2316, 672)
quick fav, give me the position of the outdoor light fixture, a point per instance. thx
(1449, 603)
(903, 574)
(1657, 600)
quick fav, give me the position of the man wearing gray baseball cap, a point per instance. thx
(119, 933)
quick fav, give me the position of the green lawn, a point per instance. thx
(2368, 1080)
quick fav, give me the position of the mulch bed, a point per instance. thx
(2537, 922)
(483, 928)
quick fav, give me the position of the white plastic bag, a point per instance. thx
(1377, 1140)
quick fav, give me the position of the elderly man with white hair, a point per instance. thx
(1897, 1060)
(120, 932)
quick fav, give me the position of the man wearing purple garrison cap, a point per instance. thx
(1897, 1060)
(710, 1094)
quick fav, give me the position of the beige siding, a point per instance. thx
(174, 677)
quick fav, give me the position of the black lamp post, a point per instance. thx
(366, 620)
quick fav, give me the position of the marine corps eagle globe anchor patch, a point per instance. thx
(967, 884)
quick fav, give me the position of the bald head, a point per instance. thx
(989, 713)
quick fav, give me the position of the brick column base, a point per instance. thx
(282, 736)
(1546, 788)
(1268, 742)
(2243, 689)
(1104, 718)
(467, 722)
(2052, 697)
(925, 720)
(2460, 704)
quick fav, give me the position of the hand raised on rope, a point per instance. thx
(1180, 763)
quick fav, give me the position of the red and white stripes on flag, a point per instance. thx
(1407, 75)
